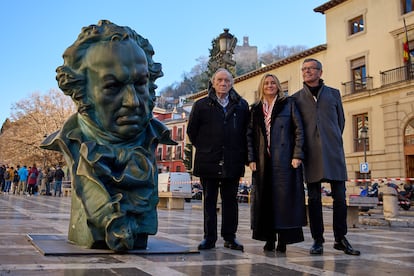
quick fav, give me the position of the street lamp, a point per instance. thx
(364, 137)
(227, 43)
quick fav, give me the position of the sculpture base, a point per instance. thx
(58, 245)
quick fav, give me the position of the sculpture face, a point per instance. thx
(117, 85)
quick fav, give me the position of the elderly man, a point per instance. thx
(217, 128)
(109, 143)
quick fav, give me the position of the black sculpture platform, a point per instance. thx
(58, 245)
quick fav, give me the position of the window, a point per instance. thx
(179, 134)
(285, 88)
(409, 133)
(359, 74)
(360, 121)
(409, 147)
(407, 6)
(159, 154)
(356, 25)
(178, 152)
(411, 48)
(168, 156)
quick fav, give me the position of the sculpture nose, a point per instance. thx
(131, 98)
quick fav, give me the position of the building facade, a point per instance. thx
(170, 157)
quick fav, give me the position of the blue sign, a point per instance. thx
(363, 167)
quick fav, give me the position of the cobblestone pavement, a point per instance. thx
(386, 248)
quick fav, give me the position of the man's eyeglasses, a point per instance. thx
(309, 68)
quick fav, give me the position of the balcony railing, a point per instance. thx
(396, 75)
(357, 86)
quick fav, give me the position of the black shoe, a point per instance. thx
(317, 248)
(234, 244)
(281, 247)
(269, 246)
(206, 244)
(345, 246)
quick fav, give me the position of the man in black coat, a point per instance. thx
(217, 129)
(324, 121)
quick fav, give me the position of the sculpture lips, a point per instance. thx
(128, 119)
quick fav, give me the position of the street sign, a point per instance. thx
(363, 167)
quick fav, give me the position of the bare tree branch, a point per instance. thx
(32, 119)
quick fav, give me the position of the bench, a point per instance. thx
(354, 203)
(172, 200)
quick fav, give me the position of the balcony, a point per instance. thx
(357, 86)
(396, 75)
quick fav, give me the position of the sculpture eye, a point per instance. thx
(141, 85)
(112, 86)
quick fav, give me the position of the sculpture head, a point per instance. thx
(110, 75)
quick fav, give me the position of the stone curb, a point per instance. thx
(391, 222)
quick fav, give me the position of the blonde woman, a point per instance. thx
(275, 152)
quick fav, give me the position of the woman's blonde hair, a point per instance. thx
(260, 89)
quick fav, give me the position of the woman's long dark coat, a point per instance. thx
(277, 196)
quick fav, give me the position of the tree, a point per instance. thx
(279, 52)
(193, 81)
(32, 119)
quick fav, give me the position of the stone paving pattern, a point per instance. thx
(386, 247)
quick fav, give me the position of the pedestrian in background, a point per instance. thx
(324, 121)
(15, 179)
(23, 174)
(49, 180)
(39, 182)
(2, 182)
(59, 175)
(8, 178)
(275, 140)
(217, 129)
(32, 180)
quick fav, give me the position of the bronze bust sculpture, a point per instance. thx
(109, 144)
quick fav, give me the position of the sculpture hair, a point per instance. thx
(71, 76)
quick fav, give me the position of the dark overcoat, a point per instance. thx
(219, 136)
(277, 196)
(324, 122)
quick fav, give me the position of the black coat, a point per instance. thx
(218, 136)
(277, 197)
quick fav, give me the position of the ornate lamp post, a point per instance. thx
(226, 42)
